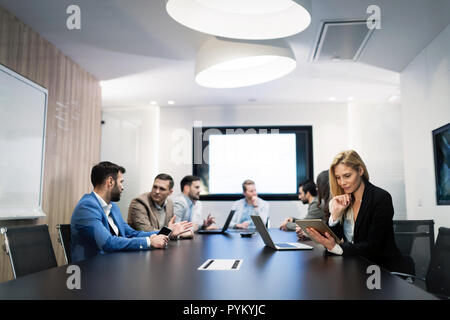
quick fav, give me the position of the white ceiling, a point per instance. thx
(141, 54)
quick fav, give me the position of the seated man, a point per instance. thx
(250, 205)
(307, 193)
(187, 206)
(97, 225)
(153, 210)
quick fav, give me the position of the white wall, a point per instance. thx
(375, 132)
(148, 141)
(425, 87)
(329, 122)
(130, 138)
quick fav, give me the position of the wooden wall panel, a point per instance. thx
(73, 124)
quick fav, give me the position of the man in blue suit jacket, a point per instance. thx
(97, 225)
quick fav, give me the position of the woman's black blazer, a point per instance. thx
(373, 235)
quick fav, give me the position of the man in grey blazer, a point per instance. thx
(154, 210)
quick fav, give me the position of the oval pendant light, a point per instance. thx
(225, 63)
(242, 19)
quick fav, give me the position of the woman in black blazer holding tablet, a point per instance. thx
(361, 215)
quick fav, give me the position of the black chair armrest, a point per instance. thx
(409, 277)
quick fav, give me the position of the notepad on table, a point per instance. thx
(221, 264)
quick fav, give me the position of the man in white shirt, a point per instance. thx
(250, 205)
(187, 206)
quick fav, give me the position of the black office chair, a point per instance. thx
(415, 240)
(438, 275)
(437, 278)
(29, 248)
(64, 238)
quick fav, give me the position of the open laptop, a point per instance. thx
(217, 231)
(268, 239)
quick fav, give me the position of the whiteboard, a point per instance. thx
(23, 108)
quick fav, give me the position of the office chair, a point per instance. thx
(415, 240)
(438, 274)
(437, 278)
(29, 249)
(64, 238)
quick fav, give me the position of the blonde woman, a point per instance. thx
(361, 215)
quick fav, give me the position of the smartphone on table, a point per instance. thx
(165, 231)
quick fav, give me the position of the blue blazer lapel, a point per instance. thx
(117, 220)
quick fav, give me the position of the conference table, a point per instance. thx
(172, 273)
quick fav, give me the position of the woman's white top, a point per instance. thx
(348, 226)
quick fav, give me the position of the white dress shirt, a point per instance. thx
(186, 210)
(107, 210)
(243, 210)
(348, 226)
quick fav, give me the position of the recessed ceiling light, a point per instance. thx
(225, 63)
(171, 102)
(153, 103)
(332, 98)
(351, 98)
(240, 19)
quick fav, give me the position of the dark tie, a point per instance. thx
(112, 230)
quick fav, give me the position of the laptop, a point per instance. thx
(268, 239)
(217, 231)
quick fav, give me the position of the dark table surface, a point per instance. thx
(172, 274)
